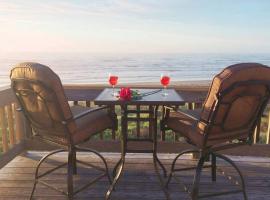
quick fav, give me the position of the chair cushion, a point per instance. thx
(230, 75)
(185, 126)
(41, 80)
(84, 128)
(229, 118)
(90, 124)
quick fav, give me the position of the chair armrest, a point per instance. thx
(169, 107)
(167, 111)
(82, 114)
(166, 115)
(193, 114)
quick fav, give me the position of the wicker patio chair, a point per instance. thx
(42, 99)
(235, 103)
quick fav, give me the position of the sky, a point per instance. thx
(135, 26)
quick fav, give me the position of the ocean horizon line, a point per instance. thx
(135, 68)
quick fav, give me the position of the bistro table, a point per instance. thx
(153, 98)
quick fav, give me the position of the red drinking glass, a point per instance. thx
(165, 81)
(113, 81)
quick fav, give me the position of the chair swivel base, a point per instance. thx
(194, 193)
(71, 168)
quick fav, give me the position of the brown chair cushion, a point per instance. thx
(243, 109)
(86, 126)
(45, 78)
(230, 75)
(185, 126)
(90, 124)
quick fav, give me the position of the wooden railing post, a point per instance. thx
(10, 124)
(150, 116)
(3, 129)
(18, 125)
(112, 109)
(138, 122)
(268, 129)
(190, 106)
(163, 132)
(257, 132)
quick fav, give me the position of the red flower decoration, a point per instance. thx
(125, 94)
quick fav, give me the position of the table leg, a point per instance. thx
(161, 180)
(160, 164)
(118, 169)
(156, 161)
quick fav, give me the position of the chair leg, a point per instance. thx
(74, 163)
(196, 181)
(101, 157)
(35, 184)
(174, 162)
(172, 170)
(115, 169)
(115, 178)
(105, 164)
(70, 174)
(37, 169)
(213, 167)
(238, 171)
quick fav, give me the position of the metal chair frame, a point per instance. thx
(70, 147)
(206, 151)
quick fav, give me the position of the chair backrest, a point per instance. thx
(42, 98)
(235, 102)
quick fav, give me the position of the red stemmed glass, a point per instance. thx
(113, 79)
(164, 80)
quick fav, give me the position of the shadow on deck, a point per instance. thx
(139, 180)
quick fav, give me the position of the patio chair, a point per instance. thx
(43, 102)
(235, 103)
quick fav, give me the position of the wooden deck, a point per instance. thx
(138, 182)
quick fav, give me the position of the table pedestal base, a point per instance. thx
(119, 167)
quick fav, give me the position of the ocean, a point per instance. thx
(84, 68)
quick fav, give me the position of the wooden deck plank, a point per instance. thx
(138, 182)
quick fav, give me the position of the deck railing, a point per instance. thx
(11, 122)
(85, 95)
(14, 130)
(193, 95)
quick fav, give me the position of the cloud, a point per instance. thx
(134, 25)
(94, 7)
